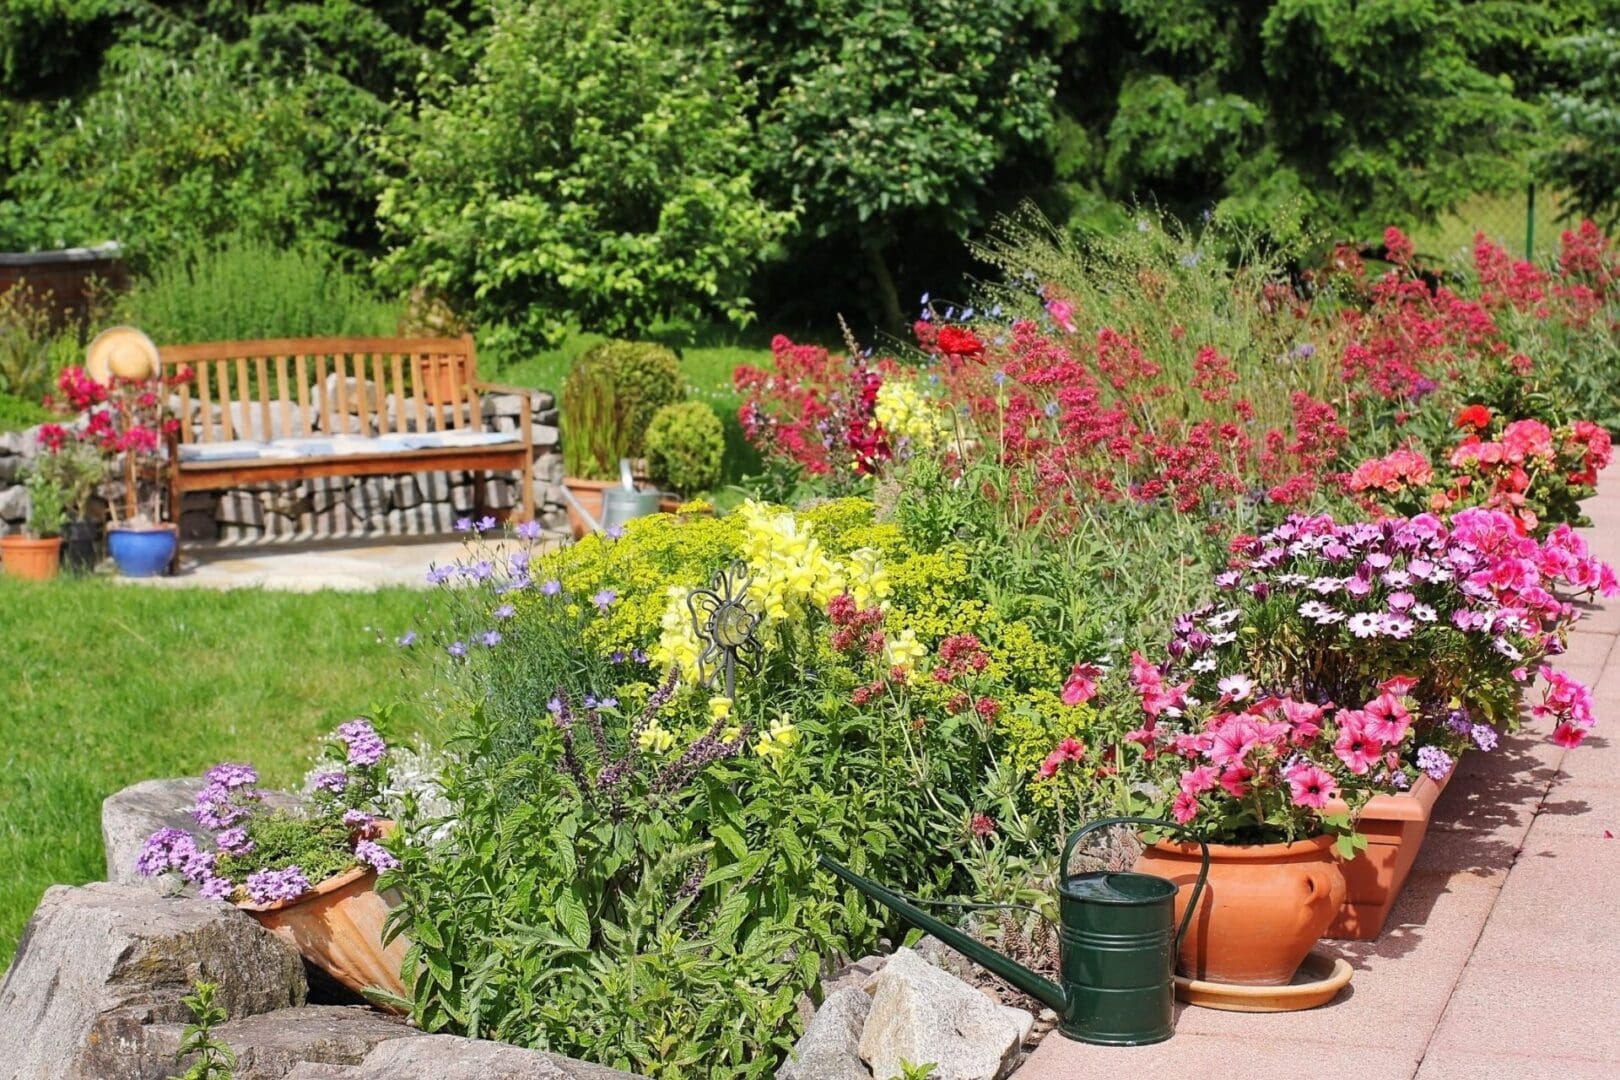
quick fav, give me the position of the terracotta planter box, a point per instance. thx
(1394, 826)
(337, 926)
(30, 559)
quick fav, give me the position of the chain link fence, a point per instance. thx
(1523, 222)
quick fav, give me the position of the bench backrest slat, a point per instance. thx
(262, 390)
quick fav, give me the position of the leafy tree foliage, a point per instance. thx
(1585, 116)
(875, 115)
(1353, 113)
(594, 170)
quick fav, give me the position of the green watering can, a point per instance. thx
(1117, 946)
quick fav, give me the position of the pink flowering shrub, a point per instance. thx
(127, 420)
(1344, 659)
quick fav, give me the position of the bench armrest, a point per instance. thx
(501, 388)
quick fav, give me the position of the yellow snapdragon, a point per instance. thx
(903, 650)
(656, 739)
(906, 414)
(778, 740)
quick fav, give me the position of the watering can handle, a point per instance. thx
(568, 496)
(626, 476)
(1158, 823)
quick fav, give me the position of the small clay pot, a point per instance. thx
(337, 926)
(1263, 908)
(30, 559)
(589, 495)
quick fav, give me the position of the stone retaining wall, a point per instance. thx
(408, 504)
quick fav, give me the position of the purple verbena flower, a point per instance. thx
(216, 888)
(1434, 761)
(373, 855)
(1484, 736)
(230, 775)
(273, 886)
(234, 841)
(166, 849)
(365, 746)
(334, 781)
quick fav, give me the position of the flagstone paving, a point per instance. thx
(1499, 962)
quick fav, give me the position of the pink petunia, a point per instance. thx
(1387, 719)
(1309, 785)
(1185, 808)
(1358, 748)
(1198, 780)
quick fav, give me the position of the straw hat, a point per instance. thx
(122, 351)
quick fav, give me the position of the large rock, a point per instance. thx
(921, 1014)
(14, 503)
(98, 964)
(128, 817)
(267, 1046)
(449, 1057)
(830, 1048)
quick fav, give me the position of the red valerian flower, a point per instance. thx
(1477, 417)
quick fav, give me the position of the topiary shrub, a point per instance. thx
(686, 446)
(646, 376)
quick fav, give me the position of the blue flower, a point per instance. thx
(486, 523)
(554, 706)
(604, 598)
(529, 530)
(552, 587)
(457, 648)
(1190, 260)
(1052, 409)
(464, 525)
(440, 574)
(491, 638)
(615, 532)
(407, 639)
(505, 611)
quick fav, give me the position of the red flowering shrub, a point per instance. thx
(127, 419)
(814, 409)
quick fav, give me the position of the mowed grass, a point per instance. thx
(104, 684)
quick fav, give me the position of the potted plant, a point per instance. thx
(78, 469)
(309, 875)
(1342, 672)
(126, 416)
(686, 448)
(35, 554)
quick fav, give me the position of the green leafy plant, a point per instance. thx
(240, 288)
(215, 1059)
(686, 447)
(908, 1071)
(77, 469)
(646, 376)
(591, 170)
(45, 504)
(592, 425)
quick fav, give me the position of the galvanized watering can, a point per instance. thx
(1117, 946)
(619, 504)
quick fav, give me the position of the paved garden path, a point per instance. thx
(306, 566)
(1501, 960)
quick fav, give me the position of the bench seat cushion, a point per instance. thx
(234, 450)
(334, 446)
(435, 440)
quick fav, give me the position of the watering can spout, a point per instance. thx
(1036, 986)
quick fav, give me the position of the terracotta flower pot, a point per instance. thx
(31, 560)
(1263, 907)
(588, 493)
(1394, 826)
(337, 926)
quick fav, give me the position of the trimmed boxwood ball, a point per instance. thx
(686, 447)
(646, 376)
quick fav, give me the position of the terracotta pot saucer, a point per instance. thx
(1317, 982)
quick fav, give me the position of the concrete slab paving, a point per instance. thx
(307, 566)
(1499, 960)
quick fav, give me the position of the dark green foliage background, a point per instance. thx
(768, 159)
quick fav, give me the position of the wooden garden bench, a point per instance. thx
(302, 408)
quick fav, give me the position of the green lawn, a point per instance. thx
(106, 684)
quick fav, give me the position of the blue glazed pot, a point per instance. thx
(141, 552)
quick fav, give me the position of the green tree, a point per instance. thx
(593, 170)
(1354, 113)
(1585, 119)
(877, 115)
